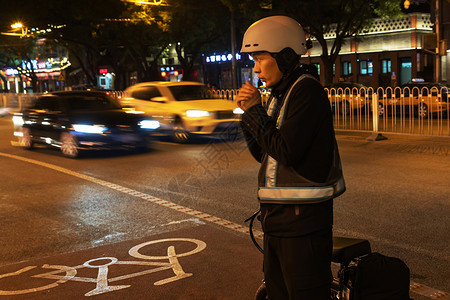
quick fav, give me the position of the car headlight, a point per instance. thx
(89, 128)
(149, 124)
(238, 111)
(193, 113)
(18, 120)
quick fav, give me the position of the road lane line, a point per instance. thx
(415, 287)
(187, 210)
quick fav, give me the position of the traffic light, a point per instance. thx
(406, 4)
(163, 74)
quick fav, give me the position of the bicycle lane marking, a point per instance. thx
(102, 281)
(414, 287)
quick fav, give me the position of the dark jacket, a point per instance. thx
(304, 144)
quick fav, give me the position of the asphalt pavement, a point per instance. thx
(208, 258)
(205, 262)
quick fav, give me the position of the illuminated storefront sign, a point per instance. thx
(27, 65)
(10, 72)
(167, 69)
(46, 66)
(221, 57)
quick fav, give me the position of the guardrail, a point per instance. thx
(413, 111)
(12, 102)
(405, 111)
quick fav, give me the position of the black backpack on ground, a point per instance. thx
(378, 277)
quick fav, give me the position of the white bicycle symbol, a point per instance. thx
(63, 274)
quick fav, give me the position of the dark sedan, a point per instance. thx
(79, 120)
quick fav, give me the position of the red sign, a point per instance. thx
(103, 71)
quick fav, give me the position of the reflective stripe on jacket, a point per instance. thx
(294, 188)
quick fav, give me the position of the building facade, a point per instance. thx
(47, 69)
(391, 52)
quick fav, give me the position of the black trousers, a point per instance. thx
(298, 268)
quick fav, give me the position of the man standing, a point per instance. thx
(292, 136)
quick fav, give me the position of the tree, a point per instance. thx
(19, 54)
(349, 17)
(79, 31)
(146, 39)
(191, 26)
(112, 30)
(85, 32)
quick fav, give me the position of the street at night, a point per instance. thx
(169, 223)
(179, 149)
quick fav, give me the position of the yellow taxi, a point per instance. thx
(348, 97)
(185, 109)
(418, 98)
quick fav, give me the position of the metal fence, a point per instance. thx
(406, 111)
(415, 111)
(12, 102)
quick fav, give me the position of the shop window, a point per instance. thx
(385, 66)
(366, 67)
(318, 68)
(346, 68)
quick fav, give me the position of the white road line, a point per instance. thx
(415, 287)
(146, 197)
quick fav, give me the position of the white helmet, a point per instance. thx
(273, 34)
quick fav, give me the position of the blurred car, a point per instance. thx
(417, 97)
(187, 108)
(347, 96)
(85, 87)
(79, 120)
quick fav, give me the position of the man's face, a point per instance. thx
(267, 69)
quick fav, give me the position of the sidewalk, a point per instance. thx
(400, 142)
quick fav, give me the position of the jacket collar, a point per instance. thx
(280, 89)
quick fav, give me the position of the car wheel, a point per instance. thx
(345, 108)
(381, 111)
(25, 141)
(233, 134)
(145, 145)
(422, 110)
(180, 135)
(69, 145)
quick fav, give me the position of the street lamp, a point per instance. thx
(19, 26)
(406, 4)
(438, 56)
(16, 26)
(153, 2)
